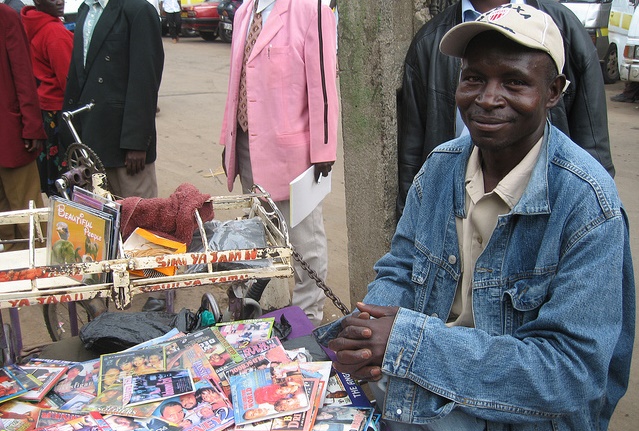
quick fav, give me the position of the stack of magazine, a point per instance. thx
(187, 382)
(83, 229)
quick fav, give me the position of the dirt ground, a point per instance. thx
(192, 99)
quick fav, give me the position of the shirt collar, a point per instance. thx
(511, 188)
(263, 4)
(103, 3)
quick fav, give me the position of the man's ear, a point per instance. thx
(556, 90)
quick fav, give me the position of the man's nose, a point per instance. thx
(491, 95)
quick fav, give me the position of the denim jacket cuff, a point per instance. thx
(404, 342)
(324, 334)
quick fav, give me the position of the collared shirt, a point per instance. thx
(170, 6)
(264, 6)
(93, 16)
(482, 212)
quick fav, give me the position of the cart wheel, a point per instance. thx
(58, 320)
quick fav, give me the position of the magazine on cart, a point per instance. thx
(80, 379)
(302, 421)
(190, 358)
(268, 393)
(49, 376)
(152, 387)
(217, 349)
(343, 390)
(258, 355)
(26, 380)
(108, 206)
(109, 402)
(78, 234)
(18, 415)
(241, 333)
(10, 387)
(92, 421)
(205, 410)
(48, 417)
(344, 418)
(115, 366)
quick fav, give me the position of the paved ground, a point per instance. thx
(191, 101)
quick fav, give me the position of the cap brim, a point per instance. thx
(456, 40)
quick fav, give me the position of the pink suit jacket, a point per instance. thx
(285, 96)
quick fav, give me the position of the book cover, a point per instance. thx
(9, 386)
(241, 333)
(268, 393)
(77, 233)
(345, 418)
(124, 423)
(18, 415)
(48, 417)
(301, 421)
(192, 358)
(217, 349)
(115, 366)
(77, 403)
(109, 402)
(206, 409)
(26, 380)
(108, 206)
(49, 376)
(318, 370)
(92, 421)
(343, 390)
(152, 387)
(80, 379)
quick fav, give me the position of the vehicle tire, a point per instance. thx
(57, 319)
(610, 65)
(225, 35)
(188, 32)
(208, 35)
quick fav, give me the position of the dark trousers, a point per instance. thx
(175, 23)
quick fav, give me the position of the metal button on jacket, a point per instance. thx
(100, 80)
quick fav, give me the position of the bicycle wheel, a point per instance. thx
(58, 320)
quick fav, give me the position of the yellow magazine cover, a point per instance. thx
(78, 234)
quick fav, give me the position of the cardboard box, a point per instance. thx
(143, 243)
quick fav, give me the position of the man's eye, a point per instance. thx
(516, 82)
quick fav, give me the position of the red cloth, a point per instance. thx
(172, 217)
(51, 47)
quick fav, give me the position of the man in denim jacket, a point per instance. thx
(507, 299)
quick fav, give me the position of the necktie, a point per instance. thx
(256, 27)
(89, 25)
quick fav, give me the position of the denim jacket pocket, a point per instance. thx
(526, 297)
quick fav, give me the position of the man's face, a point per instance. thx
(51, 7)
(503, 95)
(173, 414)
(188, 401)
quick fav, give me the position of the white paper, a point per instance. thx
(306, 194)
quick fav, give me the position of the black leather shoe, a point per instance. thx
(622, 98)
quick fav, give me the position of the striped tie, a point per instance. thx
(254, 32)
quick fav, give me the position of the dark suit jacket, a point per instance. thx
(122, 77)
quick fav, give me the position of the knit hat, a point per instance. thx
(519, 22)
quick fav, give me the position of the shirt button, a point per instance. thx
(100, 80)
(480, 240)
(107, 58)
(452, 259)
(399, 411)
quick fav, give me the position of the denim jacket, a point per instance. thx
(553, 299)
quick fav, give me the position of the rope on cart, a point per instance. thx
(320, 283)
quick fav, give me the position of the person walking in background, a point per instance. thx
(428, 116)
(22, 133)
(117, 64)
(172, 9)
(51, 46)
(281, 116)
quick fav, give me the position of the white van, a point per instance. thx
(594, 15)
(629, 65)
(618, 25)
